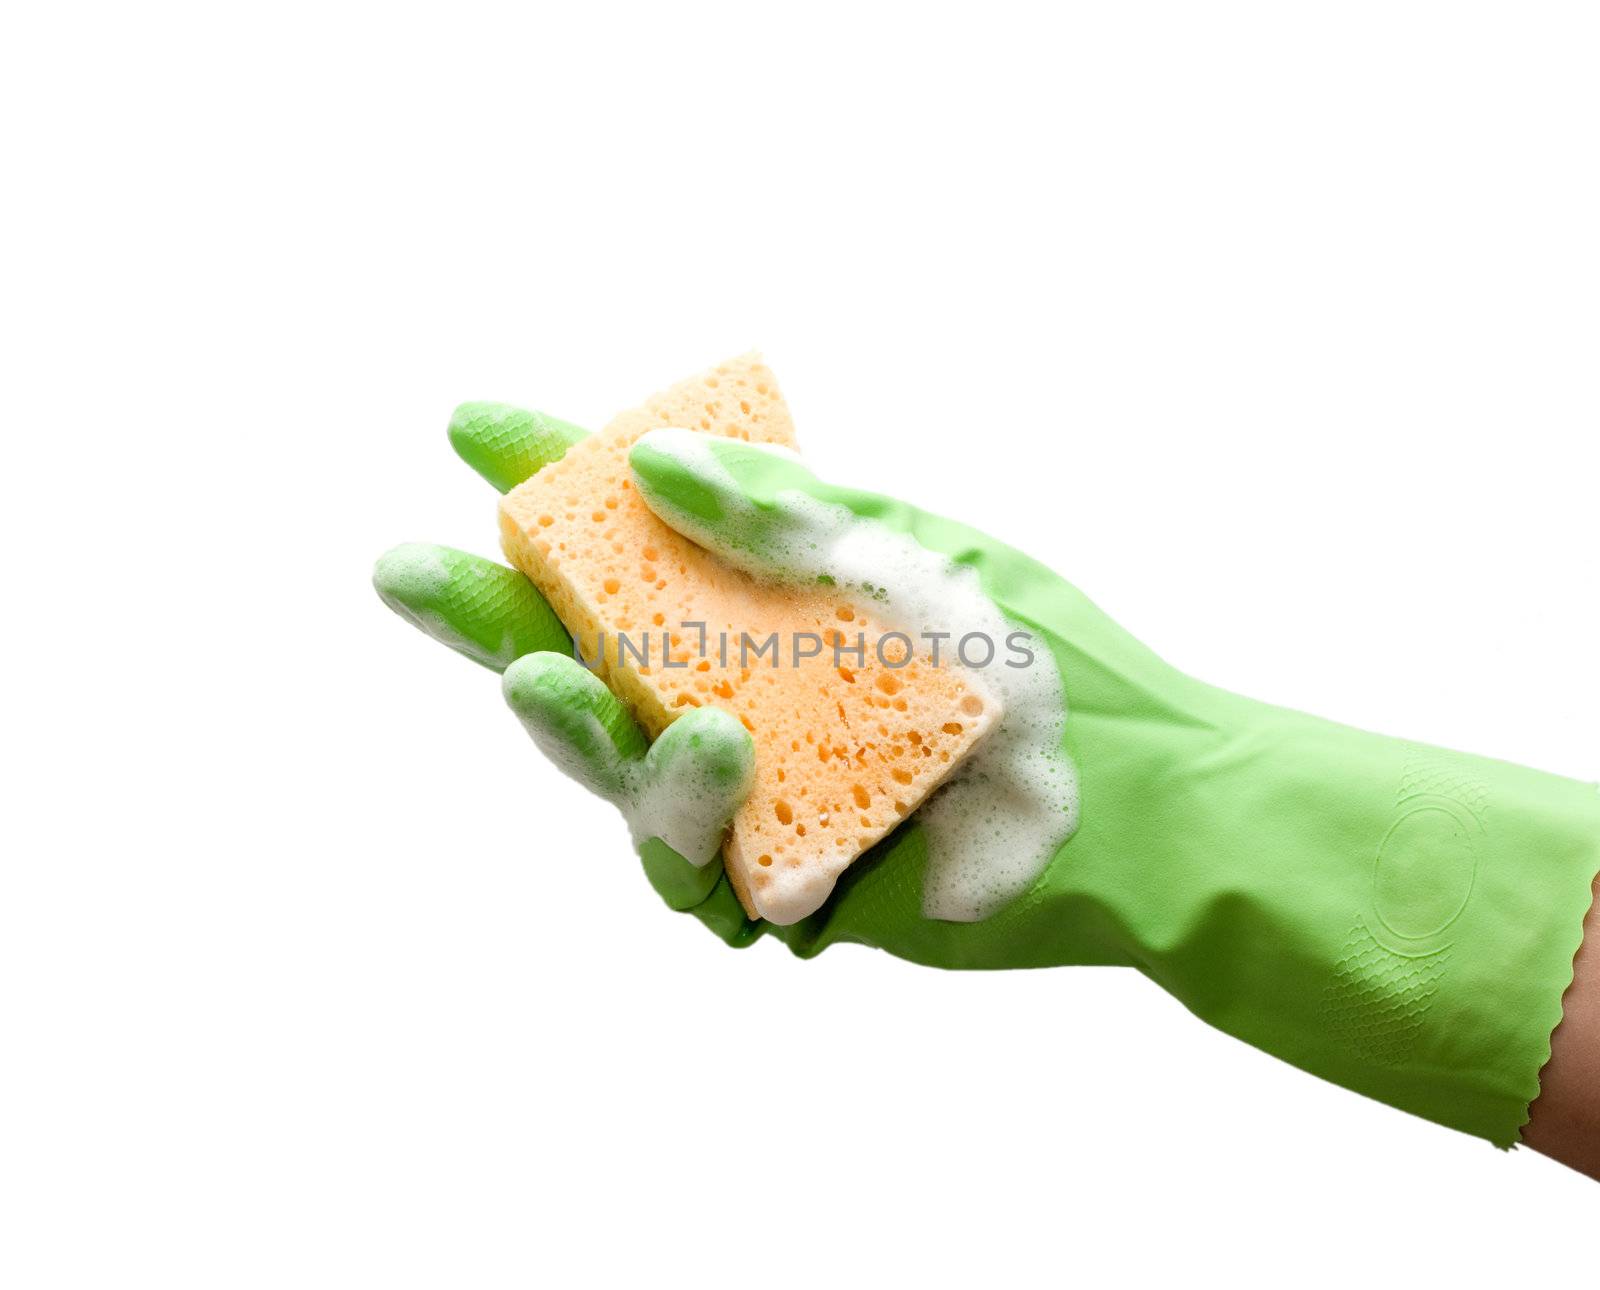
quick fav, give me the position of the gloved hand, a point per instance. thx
(1398, 919)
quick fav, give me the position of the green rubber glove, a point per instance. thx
(1398, 919)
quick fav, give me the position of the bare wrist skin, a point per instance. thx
(1564, 1123)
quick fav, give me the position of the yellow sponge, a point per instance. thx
(843, 751)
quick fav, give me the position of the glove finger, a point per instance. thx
(484, 610)
(683, 790)
(577, 723)
(507, 445)
(696, 775)
(677, 797)
(736, 499)
(694, 778)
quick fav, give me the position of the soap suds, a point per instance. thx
(996, 824)
(695, 776)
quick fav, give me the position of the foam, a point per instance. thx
(681, 796)
(994, 826)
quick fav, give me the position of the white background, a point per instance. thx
(1272, 326)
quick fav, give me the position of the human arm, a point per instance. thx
(1564, 1121)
